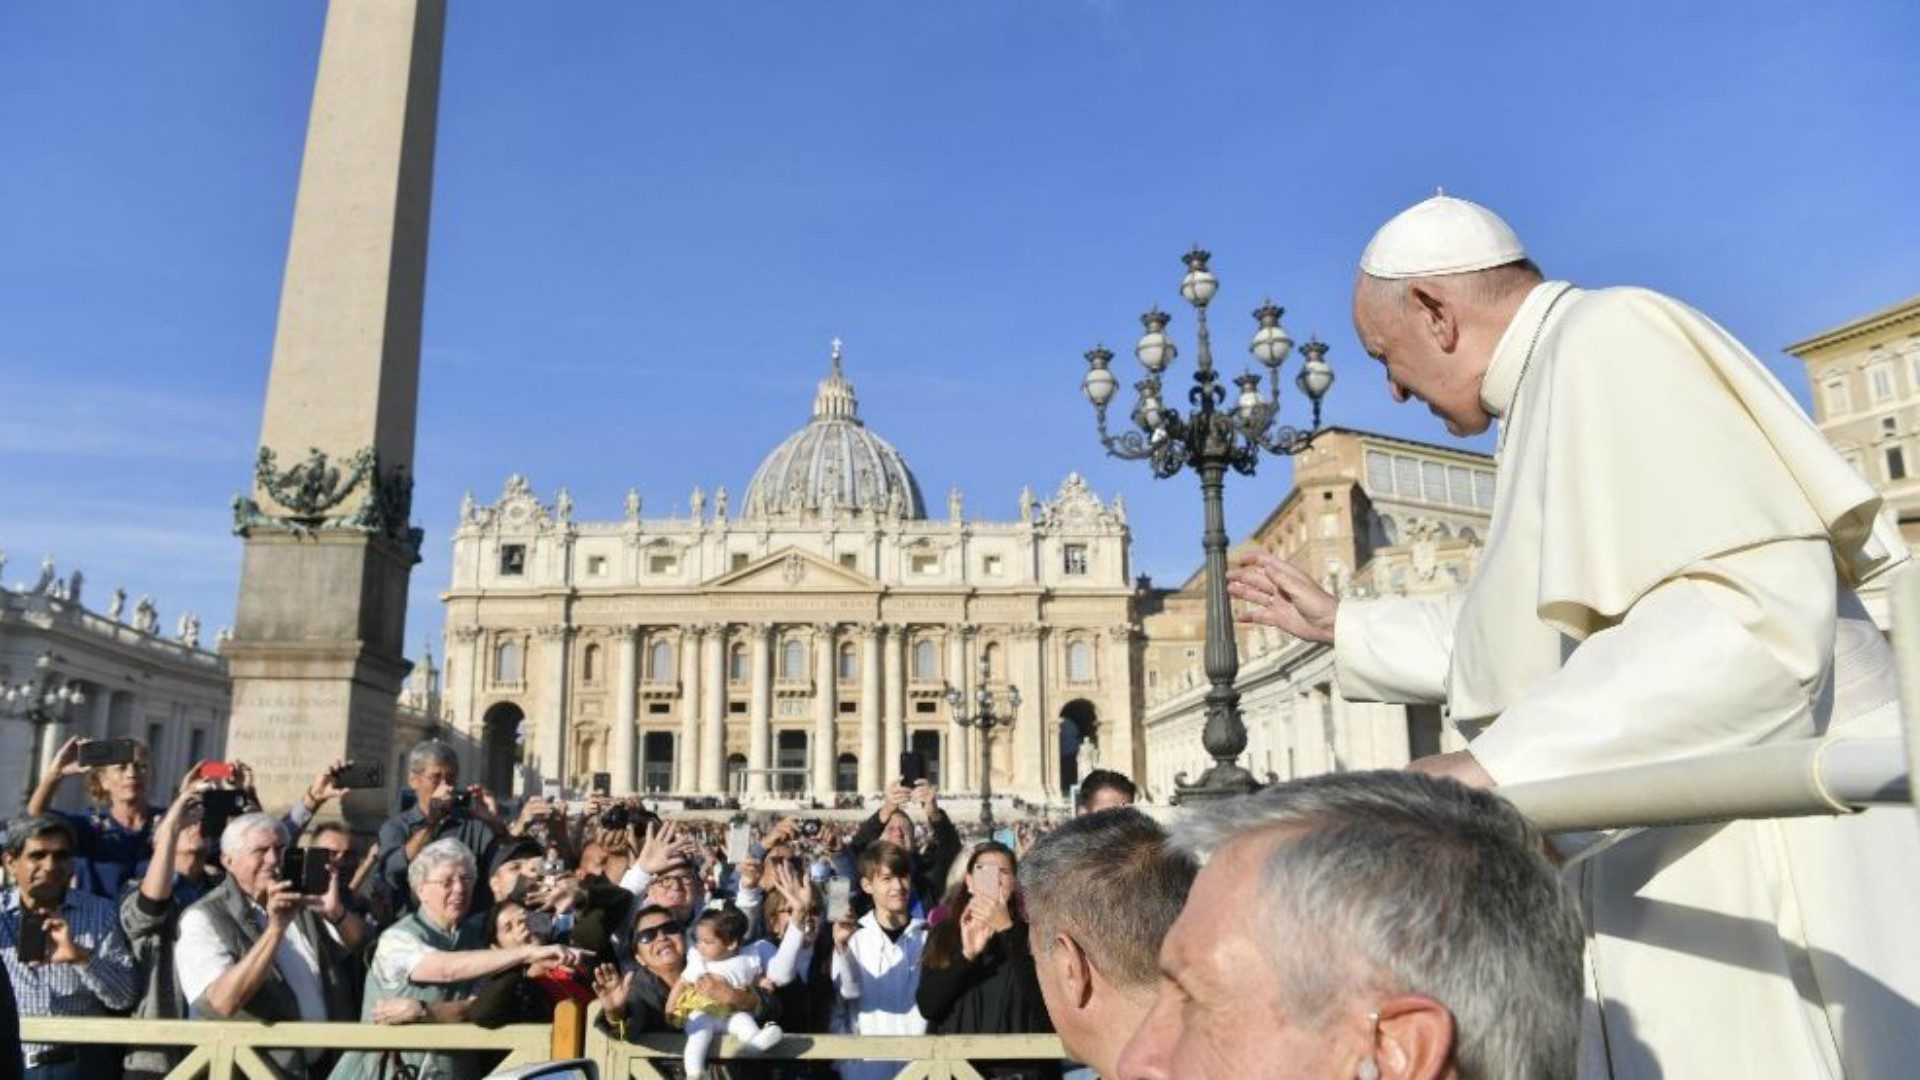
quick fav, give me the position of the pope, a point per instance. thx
(1670, 570)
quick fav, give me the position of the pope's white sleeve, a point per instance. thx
(1728, 654)
(1395, 649)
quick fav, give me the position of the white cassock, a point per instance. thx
(1670, 571)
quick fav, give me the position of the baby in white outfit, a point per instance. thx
(717, 936)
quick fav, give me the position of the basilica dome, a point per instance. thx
(834, 465)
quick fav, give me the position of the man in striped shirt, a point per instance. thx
(85, 967)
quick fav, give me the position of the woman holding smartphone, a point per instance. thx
(977, 974)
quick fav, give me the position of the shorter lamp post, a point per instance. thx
(40, 703)
(1211, 438)
(984, 718)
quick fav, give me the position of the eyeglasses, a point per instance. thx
(678, 881)
(648, 935)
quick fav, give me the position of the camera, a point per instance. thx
(810, 827)
(616, 818)
(461, 800)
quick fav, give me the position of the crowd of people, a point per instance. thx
(1104, 929)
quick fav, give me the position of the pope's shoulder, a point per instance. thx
(1610, 331)
(1600, 307)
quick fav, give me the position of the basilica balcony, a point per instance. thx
(793, 688)
(660, 688)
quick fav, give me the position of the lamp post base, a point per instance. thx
(1225, 780)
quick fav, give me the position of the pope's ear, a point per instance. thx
(1071, 969)
(1437, 317)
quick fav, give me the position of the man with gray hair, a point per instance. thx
(442, 809)
(1371, 925)
(1101, 892)
(256, 949)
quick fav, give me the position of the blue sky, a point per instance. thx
(650, 219)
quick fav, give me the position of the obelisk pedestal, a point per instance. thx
(316, 657)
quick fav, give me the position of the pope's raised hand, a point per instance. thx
(1273, 592)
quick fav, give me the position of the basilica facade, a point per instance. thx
(795, 641)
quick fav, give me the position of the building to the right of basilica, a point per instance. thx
(1368, 515)
(796, 640)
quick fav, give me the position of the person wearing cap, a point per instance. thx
(1670, 570)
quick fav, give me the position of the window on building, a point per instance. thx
(660, 563)
(1880, 382)
(846, 773)
(1074, 559)
(790, 757)
(1889, 425)
(739, 560)
(1896, 463)
(660, 661)
(1839, 402)
(596, 566)
(658, 708)
(736, 708)
(1153, 678)
(848, 707)
(656, 761)
(737, 662)
(992, 566)
(925, 708)
(925, 563)
(1406, 476)
(1913, 368)
(926, 661)
(197, 744)
(1434, 476)
(1079, 662)
(1459, 486)
(513, 560)
(849, 665)
(1483, 490)
(736, 771)
(1379, 472)
(590, 664)
(506, 662)
(849, 560)
(793, 660)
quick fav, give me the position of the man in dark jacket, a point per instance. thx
(891, 823)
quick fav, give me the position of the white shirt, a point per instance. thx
(884, 977)
(199, 958)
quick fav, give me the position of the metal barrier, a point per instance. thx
(229, 1049)
(226, 1049)
(921, 1057)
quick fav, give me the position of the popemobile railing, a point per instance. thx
(228, 1049)
(1842, 773)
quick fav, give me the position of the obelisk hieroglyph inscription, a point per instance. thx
(316, 657)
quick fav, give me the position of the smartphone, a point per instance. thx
(603, 783)
(33, 945)
(739, 843)
(913, 767)
(359, 774)
(839, 899)
(98, 752)
(461, 800)
(540, 925)
(305, 870)
(214, 770)
(219, 806)
(550, 791)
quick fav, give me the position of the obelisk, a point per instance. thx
(316, 657)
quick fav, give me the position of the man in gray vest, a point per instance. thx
(256, 949)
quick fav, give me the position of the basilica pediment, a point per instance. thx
(792, 570)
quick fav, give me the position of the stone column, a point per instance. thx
(317, 656)
(713, 710)
(620, 741)
(1027, 667)
(550, 707)
(872, 639)
(465, 666)
(896, 702)
(760, 709)
(686, 671)
(960, 676)
(826, 706)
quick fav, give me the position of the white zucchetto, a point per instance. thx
(1438, 236)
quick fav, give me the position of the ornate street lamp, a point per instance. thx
(983, 720)
(1210, 439)
(41, 703)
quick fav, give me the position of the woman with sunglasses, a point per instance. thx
(639, 1002)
